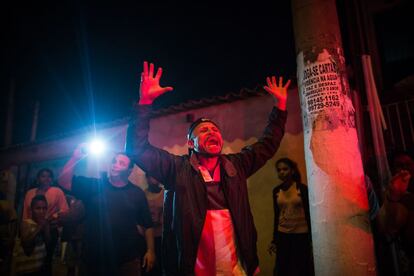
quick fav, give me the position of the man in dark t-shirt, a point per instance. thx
(114, 207)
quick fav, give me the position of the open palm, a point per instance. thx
(150, 87)
(277, 90)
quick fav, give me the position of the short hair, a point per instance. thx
(293, 166)
(37, 198)
(400, 159)
(39, 173)
(196, 123)
(131, 163)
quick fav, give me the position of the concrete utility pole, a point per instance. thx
(341, 233)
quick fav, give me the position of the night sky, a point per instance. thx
(82, 61)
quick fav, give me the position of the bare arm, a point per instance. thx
(65, 178)
(149, 257)
(272, 246)
(26, 206)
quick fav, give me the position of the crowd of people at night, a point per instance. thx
(194, 218)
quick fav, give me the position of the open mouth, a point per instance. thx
(213, 142)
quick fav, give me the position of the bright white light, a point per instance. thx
(96, 147)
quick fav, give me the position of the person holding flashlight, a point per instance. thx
(114, 207)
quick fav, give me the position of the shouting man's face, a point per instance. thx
(206, 139)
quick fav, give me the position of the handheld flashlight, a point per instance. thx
(95, 147)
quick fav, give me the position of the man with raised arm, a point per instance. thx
(211, 218)
(113, 207)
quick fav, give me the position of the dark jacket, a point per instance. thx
(305, 202)
(181, 175)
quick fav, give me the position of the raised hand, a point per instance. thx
(148, 261)
(278, 91)
(150, 88)
(80, 151)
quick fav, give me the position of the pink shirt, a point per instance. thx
(56, 202)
